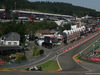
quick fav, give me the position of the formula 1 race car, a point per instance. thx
(36, 68)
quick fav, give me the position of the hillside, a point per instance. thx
(49, 7)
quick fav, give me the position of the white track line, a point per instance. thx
(93, 73)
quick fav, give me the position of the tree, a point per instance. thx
(36, 51)
(20, 58)
(41, 52)
(65, 27)
(1, 30)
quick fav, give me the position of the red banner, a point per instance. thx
(95, 59)
(98, 28)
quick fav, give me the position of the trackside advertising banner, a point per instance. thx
(95, 59)
(98, 28)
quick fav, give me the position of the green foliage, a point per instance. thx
(62, 8)
(1, 30)
(12, 56)
(13, 27)
(20, 58)
(41, 52)
(36, 51)
(5, 58)
(65, 27)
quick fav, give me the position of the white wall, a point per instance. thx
(40, 42)
(73, 27)
(12, 43)
(50, 35)
(59, 22)
(1, 41)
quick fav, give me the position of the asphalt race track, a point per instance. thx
(66, 61)
(38, 73)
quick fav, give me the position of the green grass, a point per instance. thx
(49, 66)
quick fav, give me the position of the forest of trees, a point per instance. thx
(49, 7)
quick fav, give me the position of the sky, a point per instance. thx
(93, 4)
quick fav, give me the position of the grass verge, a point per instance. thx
(49, 66)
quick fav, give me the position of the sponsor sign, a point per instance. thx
(95, 59)
(98, 28)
